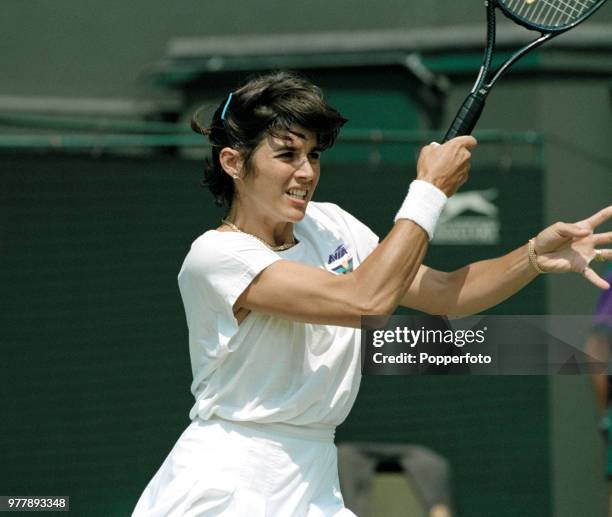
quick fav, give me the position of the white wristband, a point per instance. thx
(423, 205)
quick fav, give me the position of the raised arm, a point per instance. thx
(297, 292)
(471, 289)
(560, 248)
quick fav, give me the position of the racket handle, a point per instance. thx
(467, 116)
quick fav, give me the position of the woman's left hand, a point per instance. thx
(565, 247)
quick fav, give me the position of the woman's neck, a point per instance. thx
(274, 233)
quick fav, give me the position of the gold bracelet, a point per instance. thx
(533, 258)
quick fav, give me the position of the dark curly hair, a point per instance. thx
(264, 105)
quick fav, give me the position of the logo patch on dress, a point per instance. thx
(340, 261)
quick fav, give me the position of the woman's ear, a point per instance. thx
(231, 161)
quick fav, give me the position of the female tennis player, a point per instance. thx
(273, 299)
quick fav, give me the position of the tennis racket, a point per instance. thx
(548, 17)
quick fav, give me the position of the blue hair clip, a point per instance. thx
(226, 105)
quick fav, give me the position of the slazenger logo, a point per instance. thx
(456, 228)
(340, 261)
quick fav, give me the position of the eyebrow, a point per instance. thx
(298, 134)
(288, 147)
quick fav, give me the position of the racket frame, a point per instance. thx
(547, 28)
(472, 107)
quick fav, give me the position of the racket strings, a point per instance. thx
(556, 13)
(549, 13)
(552, 12)
(537, 11)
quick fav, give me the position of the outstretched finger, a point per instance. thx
(595, 279)
(596, 219)
(602, 238)
(603, 255)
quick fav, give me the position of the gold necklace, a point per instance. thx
(282, 247)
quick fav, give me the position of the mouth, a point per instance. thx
(297, 194)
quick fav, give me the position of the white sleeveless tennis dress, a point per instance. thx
(268, 392)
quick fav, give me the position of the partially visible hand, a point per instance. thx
(565, 247)
(446, 166)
